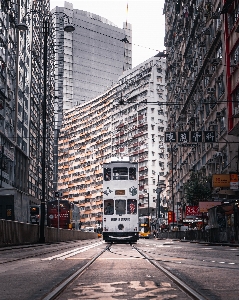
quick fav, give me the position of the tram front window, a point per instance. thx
(109, 207)
(132, 173)
(107, 174)
(120, 173)
(120, 207)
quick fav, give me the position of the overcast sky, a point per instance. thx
(146, 17)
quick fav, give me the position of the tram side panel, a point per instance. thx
(120, 205)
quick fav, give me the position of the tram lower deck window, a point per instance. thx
(109, 207)
(120, 207)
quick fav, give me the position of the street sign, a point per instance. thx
(58, 194)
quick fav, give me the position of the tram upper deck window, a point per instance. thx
(132, 173)
(120, 207)
(120, 173)
(107, 174)
(109, 207)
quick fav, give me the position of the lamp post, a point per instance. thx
(160, 188)
(2, 153)
(46, 25)
(172, 181)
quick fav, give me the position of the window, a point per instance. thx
(132, 173)
(120, 173)
(109, 207)
(132, 206)
(107, 174)
(222, 124)
(120, 207)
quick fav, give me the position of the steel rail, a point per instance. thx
(57, 290)
(182, 285)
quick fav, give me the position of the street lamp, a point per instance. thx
(46, 25)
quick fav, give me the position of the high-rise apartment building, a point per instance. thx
(88, 62)
(127, 120)
(202, 92)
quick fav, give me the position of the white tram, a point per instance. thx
(120, 202)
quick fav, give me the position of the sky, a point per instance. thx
(146, 17)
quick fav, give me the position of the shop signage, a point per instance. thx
(171, 219)
(233, 181)
(221, 180)
(192, 210)
(204, 206)
(190, 136)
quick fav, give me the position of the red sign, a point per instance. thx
(192, 210)
(171, 219)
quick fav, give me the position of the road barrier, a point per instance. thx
(18, 233)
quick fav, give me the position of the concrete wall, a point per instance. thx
(16, 233)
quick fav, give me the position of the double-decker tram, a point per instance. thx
(120, 202)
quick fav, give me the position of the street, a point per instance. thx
(121, 272)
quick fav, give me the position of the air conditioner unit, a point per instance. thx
(210, 90)
(210, 161)
(212, 123)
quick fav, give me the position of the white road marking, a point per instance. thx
(70, 253)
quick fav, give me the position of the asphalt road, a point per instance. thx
(120, 273)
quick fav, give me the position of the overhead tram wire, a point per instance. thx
(122, 40)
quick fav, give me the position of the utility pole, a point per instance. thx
(172, 180)
(2, 153)
(44, 103)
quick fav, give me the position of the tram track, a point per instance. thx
(182, 285)
(57, 290)
(193, 294)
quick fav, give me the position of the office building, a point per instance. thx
(88, 62)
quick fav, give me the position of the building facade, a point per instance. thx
(21, 56)
(88, 62)
(202, 79)
(128, 120)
